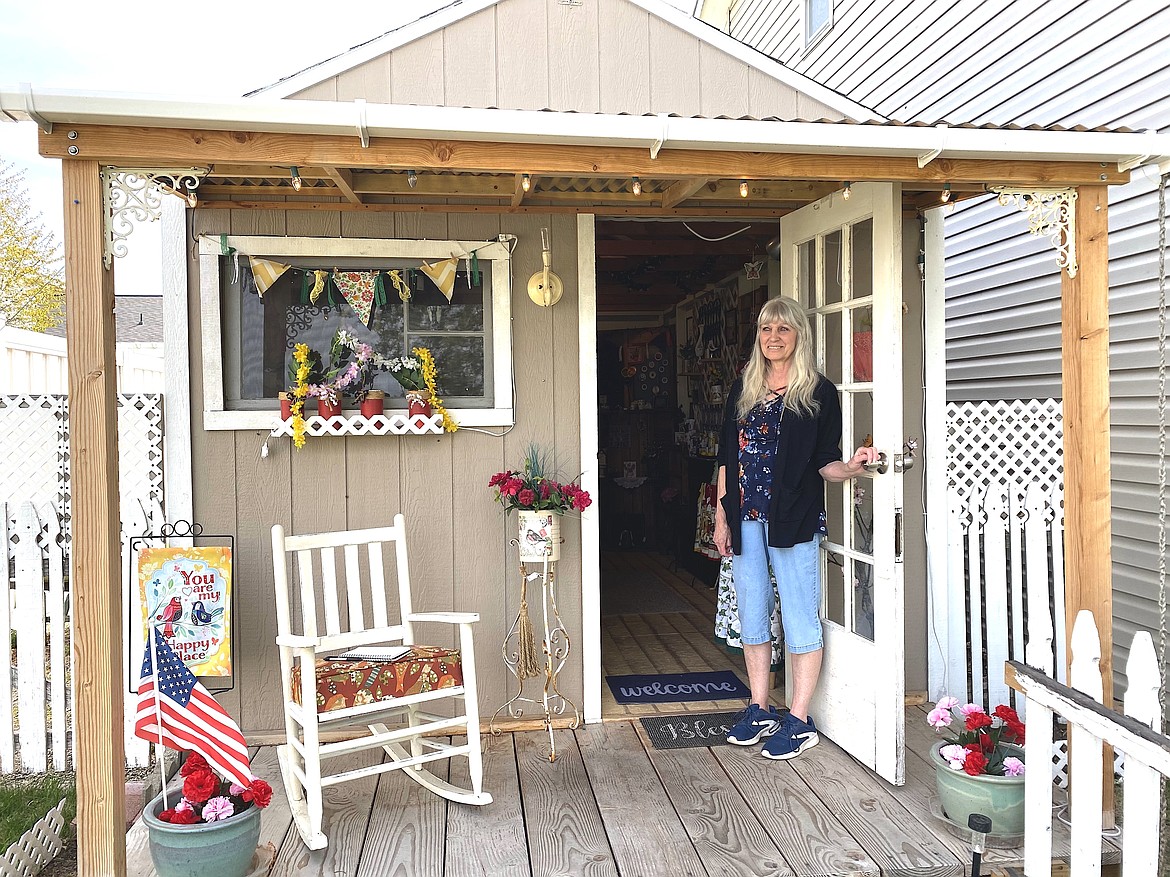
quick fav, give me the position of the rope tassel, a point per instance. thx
(527, 666)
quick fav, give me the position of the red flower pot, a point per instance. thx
(418, 403)
(374, 404)
(327, 410)
(285, 405)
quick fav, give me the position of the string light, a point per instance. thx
(296, 178)
(946, 193)
(743, 188)
(192, 199)
(636, 185)
(411, 179)
(848, 190)
(526, 182)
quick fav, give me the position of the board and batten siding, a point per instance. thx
(458, 537)
(606, 56)
(1095, 63)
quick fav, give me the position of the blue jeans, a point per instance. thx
(798, 580)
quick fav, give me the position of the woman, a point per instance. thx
(781, 441)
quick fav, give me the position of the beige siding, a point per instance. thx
(460, 558)
(602, 56)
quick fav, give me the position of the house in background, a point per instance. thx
(1095, 63)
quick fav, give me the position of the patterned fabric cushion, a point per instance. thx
(342, 684)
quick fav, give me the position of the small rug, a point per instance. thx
(676, 687)
(685, 731)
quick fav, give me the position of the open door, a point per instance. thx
(842, 258)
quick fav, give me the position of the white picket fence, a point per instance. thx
(1005, 541)
(34, 362)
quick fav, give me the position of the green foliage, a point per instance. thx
(32, 279)
(25, 799)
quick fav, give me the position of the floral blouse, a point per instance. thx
(759, 437)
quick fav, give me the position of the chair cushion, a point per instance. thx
(342, 684)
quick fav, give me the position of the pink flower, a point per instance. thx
(939, 717)
(217, 809)
(947, 703)
(955, 755)
(236, 789)
(1013, 767)
(526, 497)
(966, 710)
(183, 805)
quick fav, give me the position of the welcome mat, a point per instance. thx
(685, 731)
(676, 687)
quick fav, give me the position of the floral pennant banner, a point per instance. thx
(266, 272)
(359, 288)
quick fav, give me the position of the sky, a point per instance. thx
(211, 49)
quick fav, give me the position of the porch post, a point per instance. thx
(1085, 374)
(99, 751)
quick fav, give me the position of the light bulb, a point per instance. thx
(192, 199)
(296, 179)
(946, 193)
(636, 185)
(412, 178)
(525, 182)
(848, 191)
(743, 189)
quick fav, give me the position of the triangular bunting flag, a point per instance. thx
(443, 275)
(319, 280)
(358, 289)
(266, 272)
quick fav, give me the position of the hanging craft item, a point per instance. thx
(752, 269)
(400, 285)
(320, 278)
(266, 272)
(544, 287)
(359, 289)
(443, 275)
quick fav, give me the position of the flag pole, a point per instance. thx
(159, 748)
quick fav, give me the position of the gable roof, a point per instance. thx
(460, 9)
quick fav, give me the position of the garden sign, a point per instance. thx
(186, 592)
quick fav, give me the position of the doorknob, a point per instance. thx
(905, 461)
(879, 466)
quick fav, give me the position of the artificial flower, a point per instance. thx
(1013, 767)
(207, 798)
(533, 488)
(200, 785)
(430, 381)
(980, 743)
(218, 808)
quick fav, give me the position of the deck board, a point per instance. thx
(407, 827)
(472, 851)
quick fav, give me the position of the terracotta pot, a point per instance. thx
(540, 536)
(213, 849)
(285, 405)
(1001, 799)
(374, 404)
(326, 410)
(418, 402)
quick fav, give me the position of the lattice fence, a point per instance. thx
(1005, 468)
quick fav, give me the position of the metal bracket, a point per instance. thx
(362, 126)
(131, 194)
(1050, 212)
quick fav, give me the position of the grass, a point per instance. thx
(26, 798)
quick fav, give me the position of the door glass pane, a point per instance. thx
(806, 273)
(863, 599)
(833, 365)
(862, 343)
(835, 511)
(835, 596)
(862, 513)
(859, 427)
(834, 267)
(862, 256)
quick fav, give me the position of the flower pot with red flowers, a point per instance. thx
(540, 500)
(211, 827)
(372, 403)
(979, 765)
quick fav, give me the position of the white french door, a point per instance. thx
(841, 257)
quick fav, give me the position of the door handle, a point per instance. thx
(878, 467)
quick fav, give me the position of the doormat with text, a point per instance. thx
(676, 687)
(687, 730)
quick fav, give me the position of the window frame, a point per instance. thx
(813, 36)
(217, 417)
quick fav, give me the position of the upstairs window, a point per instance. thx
(818, 18)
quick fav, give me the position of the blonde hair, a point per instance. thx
(802, 368)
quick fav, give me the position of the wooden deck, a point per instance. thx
(612, 805)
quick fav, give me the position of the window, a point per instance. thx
(253, 336)
(818, 18)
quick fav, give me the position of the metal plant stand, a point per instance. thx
(555, 647)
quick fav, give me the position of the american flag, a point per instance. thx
(187, 716)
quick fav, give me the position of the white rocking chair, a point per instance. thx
(323, 695)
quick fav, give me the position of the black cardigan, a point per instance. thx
(805, 445)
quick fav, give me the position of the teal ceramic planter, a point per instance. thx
(1001, 799)
(215, 849)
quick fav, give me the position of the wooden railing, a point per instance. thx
(1092, 728)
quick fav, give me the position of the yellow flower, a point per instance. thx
(430, 373)
(300, 391)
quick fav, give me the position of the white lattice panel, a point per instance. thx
(36, 847)
(140, 451)
(34, 449)
(1013, 441)
(379, 424)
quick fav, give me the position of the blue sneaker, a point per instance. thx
(792, 738)
(754, 724)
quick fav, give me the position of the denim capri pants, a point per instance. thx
(798, 580)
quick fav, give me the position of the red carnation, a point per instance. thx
(526, 497)
(545, 489)
(259, 793)
(1005, 712)
(978, 720)
(194, 762)
(985, 742)
(498, 479)
(199, 786)
(582, 501)
(167, 815)
(974, 764)
(184, 817)
(512, 486)
(1014, 731)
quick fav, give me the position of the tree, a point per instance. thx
(32, 281)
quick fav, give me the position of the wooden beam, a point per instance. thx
(343, 179)
(746, 214)
(681, 191)
(165, 146)
(736, 246)
(441, 185)
(1084, 305)
(95, 583)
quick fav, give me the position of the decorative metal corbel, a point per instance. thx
(132, 194)
(1050, 212)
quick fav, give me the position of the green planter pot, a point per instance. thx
(999, 798)
(214, 849)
